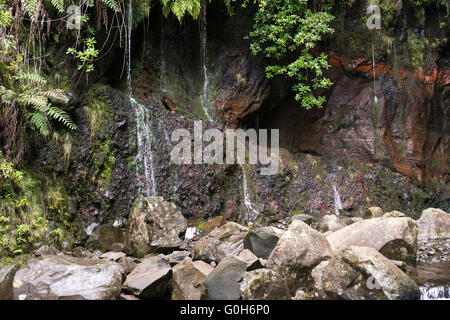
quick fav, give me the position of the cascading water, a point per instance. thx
(374, 76)
(337, 201)
(204, 60)
(144, 157)
(252, 213)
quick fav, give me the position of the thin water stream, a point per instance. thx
(144, 156)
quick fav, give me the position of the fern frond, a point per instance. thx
(31, 77)
(36, 101)
(39, 121)
(31, 7)
(62, 116)
(112, 4)
(57, 95)
(59, 5)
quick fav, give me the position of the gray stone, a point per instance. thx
(267, 284)
(150, 278)
(154, 225)
(373, 212)
(317, 274)
(221, 242)
(394, 214)
(250, 259)
(331, 223)
(177, 256)
(127, 264)
(104, 236)
(64, 277)
(300, 247)
(6, 281)
(396, 238)
(434, 224)
(114, 256)
(223, 283)
(46, 251)
(261, 241)
(359, 273)
(187, 279)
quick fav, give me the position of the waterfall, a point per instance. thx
(373, 69)
(144, 157)
(252, 213)
(204, 60)
(337, 201)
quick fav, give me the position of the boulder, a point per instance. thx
(359, 273)
(434, 224)
(395, 238)
(223, 282)
(150, 278)
(46, 251)
(213, 223)
(250, 259)
(187, 279)
(177, 256)
(301, 295)
(222, 242)
(6, 281)
(114, 256)
(265, 284)
(306, 218)
(330, 223)
(261, 241)
(317, 274)
(300, 247)
(373, 212)
(105, 236)
(154, 225)
(63, 277)
(394, 214)
(127, 264)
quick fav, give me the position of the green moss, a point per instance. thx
(416, 48)
(201, 225)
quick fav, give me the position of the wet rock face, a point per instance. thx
(396, 238)
(6, 281)
(399, 129)
(243, 90)
(434, 224)
(154, 225)
(95, 172)
(360, 273)
(65, 277)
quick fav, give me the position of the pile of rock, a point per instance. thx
(345, 258)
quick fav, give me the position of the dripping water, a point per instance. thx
(337, 201)
(144, 157)
(373, 70)
(203, 56)
(252, 213)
